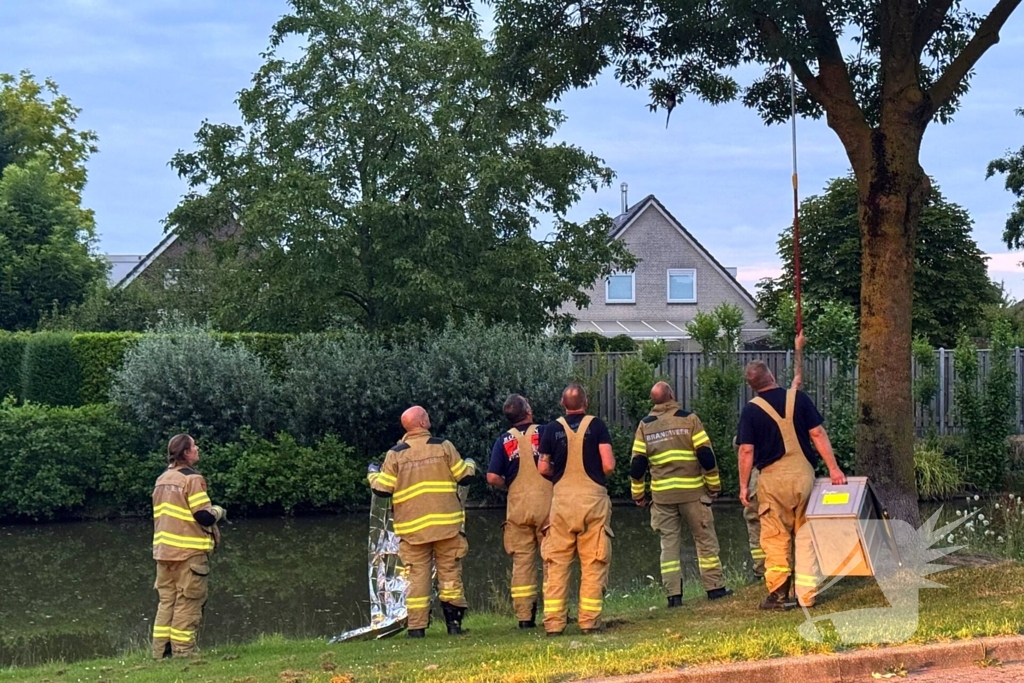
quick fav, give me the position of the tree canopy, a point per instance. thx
(383, 176)
(951, 282)
(1012, 166)
(46, 237)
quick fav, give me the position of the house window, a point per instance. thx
(682, 286)
(620, 289)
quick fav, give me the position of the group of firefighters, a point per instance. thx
(558, 507)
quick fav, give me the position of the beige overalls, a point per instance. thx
(783, 489)
(580, 524)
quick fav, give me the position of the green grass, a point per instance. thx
(977, 602)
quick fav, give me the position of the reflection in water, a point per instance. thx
(75, 590)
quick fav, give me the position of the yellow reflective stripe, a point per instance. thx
(197, 499)
(780, 570)
(713, 479)
(669, 567)
(524, 591)
(169, 510)
(450, 594)
(677, 483)
(806, 580)
(417, 603)
(591, 604)
(639, 447)
(554, 605)
(179, 636)
(675, 455)
(187, 542)
(459, 469)
(161, 631)
(709, 562)
(372, 477)
(385, 479)
(637, 487)
(420, 523)
(699, 438)
(757, 554)
(423, 487)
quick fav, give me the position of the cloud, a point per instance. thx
(1006, 262)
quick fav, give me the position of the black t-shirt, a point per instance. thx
(759, 430)
(505, 454)
(555, 444)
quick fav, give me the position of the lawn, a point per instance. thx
(641, 636)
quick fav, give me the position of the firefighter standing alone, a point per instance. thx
(673, 445)
(184, 534)
(421, 475)
(514, 465)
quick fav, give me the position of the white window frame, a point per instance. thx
(692, 272)
(632, 289)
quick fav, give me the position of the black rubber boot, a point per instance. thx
(718, 593)
(416, 633)
(532, 621)
(453, 618)
(778, 599)
(675, 601)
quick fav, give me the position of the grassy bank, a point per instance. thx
(981, 601)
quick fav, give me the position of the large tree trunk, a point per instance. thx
(891, 190)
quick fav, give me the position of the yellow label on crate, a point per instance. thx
(835, 499)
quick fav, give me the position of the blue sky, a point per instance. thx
(146, 73)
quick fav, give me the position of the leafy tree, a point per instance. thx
(637, 373)
(879, 71)
(35, 117)
(385, 177)
(951, 282)
(1012, 166)
(45, 240)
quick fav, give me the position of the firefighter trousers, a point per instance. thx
(753, 520)
(522, 542)
(580, 526)
(418, 559)
(783, 494)
(183, 588)
(668, 521)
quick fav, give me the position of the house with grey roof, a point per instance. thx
(676, 277)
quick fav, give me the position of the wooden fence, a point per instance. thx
(681, 369)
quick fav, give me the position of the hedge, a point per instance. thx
(61, 462)
(12, 351)
(64, 368)
(589, 342)
(50, 372)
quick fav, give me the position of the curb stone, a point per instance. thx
(844, 667)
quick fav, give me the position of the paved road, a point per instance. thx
(1010, 673)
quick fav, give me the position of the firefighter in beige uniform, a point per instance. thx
(775, 434)
(421, 475)
(514, 465)
(184, 535)
(576, 455)
(673, 445)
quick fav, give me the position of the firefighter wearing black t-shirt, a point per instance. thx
(576, 455)
(514, 466)
(776, 430)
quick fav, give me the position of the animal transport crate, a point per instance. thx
(849, 527)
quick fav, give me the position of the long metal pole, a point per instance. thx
(796, 209)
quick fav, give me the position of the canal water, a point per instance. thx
(84, 589)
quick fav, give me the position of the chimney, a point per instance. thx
(625, 197)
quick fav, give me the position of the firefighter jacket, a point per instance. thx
(673, 445)
(421, 475)
(179, 494)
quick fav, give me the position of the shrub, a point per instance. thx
(937, 475)
(54, 458)
(926, 384)
(100, 355)
(280, 473)
(272, 348)
(12, 351)
(987, 409)
(592, 342)
(49, 370)
(182, 379)
(637, 373)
